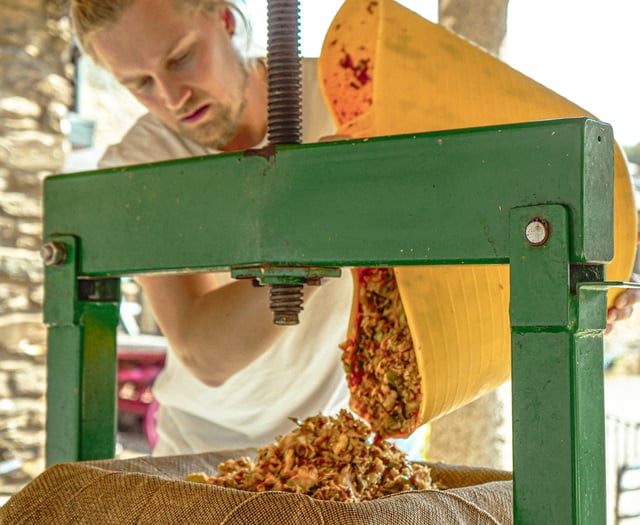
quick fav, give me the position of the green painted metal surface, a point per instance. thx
(462, 196)
(98, 408)
(81, 363)
(81, 386)
(64, 377)
(557, 374)
(414, 199)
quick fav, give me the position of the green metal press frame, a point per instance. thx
(537, 196)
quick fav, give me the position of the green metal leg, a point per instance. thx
(81, 364)
(558, 393)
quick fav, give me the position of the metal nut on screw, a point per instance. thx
(537, 231)
(53, 253)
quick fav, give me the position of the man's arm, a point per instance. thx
(215, 327)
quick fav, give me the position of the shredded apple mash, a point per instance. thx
(379, 360)
(343, 458)
(329, 458)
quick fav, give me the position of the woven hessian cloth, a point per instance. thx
(149, 490)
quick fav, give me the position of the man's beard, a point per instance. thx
(218, 131)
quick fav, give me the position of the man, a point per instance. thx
(233, 379)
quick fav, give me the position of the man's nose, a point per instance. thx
(174, 93)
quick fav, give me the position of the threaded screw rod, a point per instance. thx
(286, 303)
(284, 118)
(284, 72)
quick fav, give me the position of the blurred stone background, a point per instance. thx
(35, 95)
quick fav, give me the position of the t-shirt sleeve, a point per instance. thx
(148, 140)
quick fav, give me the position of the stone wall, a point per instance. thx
(35, 94)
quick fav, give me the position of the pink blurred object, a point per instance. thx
(140, 360)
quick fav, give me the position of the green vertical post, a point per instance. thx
(589, 411)
(82, 317)
(558, 401)
(99, 384)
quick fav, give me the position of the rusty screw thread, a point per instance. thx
(284, 73)
(284, 108)
(286, 303)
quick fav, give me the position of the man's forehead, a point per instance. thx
(146, 33)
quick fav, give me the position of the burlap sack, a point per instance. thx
(151, 491)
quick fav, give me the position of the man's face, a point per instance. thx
(181, 65)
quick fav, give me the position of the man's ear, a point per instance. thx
(229, 21)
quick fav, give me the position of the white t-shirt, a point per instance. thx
(299, 376)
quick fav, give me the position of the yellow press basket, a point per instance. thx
(385, 70)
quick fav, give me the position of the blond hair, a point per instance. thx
(90, 16)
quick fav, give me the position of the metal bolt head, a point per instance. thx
(537, 231)
(53, 253)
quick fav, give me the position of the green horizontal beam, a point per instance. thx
(430, 198)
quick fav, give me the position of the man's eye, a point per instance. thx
(181, 59)
(143, 84)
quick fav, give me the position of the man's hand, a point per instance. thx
(623, 306)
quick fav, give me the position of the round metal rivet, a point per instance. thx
(537, 231)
